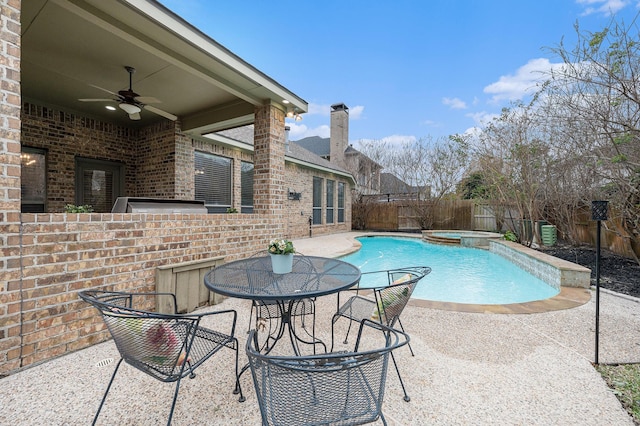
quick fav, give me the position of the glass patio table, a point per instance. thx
(310, 277)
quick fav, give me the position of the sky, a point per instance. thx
(406, 69)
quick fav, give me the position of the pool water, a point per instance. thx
(458, 274)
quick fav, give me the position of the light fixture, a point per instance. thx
(285, 101)
(110, 107)
(294, 114)
(129, 108)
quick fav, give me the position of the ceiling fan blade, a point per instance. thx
(147, 100)
(165, 114)
(135, 116)
(104, 90)
(96, 100)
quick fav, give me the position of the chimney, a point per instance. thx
(339, 137)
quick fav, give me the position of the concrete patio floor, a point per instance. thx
(469, 369)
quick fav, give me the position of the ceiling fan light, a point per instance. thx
(129, 108)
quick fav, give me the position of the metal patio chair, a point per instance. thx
(167, 347)
(340, 388)
(385, 306)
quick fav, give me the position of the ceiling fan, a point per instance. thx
(132, 103)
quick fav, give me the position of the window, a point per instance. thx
(98, 183)
(213, 181)
(33, 180)
(330, 194)
(317, 200)
(340, 202)
(246, 187)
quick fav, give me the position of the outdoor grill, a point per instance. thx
(152, 205)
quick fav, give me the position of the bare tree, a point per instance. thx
(429, 168)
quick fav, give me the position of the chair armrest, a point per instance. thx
(227, 312)
(395, 338)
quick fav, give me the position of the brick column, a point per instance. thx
(10, 248)
(268, 159)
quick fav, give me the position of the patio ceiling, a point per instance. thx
(70, 46)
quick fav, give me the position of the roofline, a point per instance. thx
(318, 167)
(182, 29)
(234, 143)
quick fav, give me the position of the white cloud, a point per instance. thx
(523, 83)
(355, 113)
(392, 141)
(482, 118)
(606, 7)
(300, 131)
(454, 103)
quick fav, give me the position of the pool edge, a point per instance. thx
(568, 298)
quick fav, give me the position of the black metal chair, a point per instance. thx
(167, 347)
(385, 307)
(345, 388)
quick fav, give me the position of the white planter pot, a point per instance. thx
(281, 263)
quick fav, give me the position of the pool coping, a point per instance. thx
(568, 298)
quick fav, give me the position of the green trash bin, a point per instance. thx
(549, 235)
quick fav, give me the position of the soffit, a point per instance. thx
(71, 46)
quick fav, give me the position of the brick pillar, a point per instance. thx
(9, 183)
(268, 159)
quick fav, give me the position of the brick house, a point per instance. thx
(57, 149)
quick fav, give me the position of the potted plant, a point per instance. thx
(281, 252)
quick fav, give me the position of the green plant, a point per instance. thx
(624, 380)
(72, 208)
(232, 210)
(281, 246)
(510, 236)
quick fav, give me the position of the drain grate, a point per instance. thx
(104, 362)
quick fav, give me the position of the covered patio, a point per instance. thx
(64, 62)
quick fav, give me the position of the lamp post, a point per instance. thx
(598, 213)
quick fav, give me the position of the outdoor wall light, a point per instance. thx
(294, 114)
(293, 195)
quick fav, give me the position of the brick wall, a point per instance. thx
(297, 213)
(9, 164)
(65, 253)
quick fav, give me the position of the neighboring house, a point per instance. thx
(338, 151)
(62, 62)
(393, 188)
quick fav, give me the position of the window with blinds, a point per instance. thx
(246, 187)
(317, 200)
(330, 196)
(340, 202)
(213, 178)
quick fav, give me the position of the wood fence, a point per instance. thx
(469, 215)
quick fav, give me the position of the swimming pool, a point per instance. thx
(459, 274)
